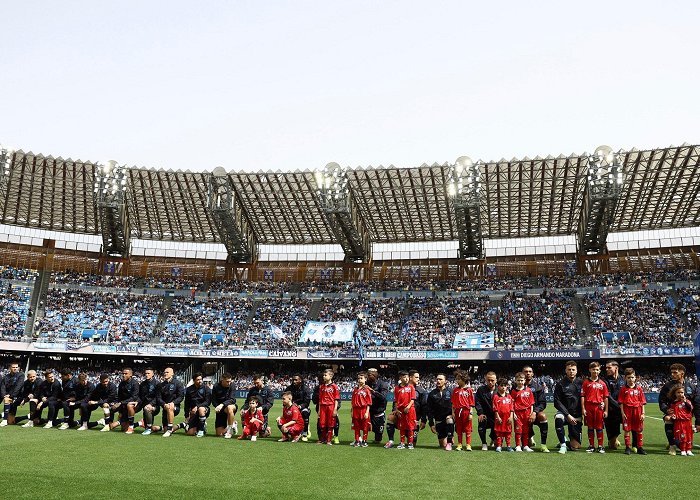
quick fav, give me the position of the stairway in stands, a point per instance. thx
(315, 310)
(162, 316)
(582, 317)
(37, 301)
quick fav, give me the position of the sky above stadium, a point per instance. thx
(293, 85)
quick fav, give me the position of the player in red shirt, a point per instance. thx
(328, 397)
(361, 401)
(523, 407)
(462, 404)
(405, 398)
(291, 423)
(680, 414)
(253, 419)
(594, 401)
(632, 401)
(503, 413)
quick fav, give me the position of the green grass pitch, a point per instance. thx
(41, 463)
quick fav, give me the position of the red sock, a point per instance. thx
(627, 439)
(508, 440)
(591, 438)
(499, 441)
(600, 439)
(469, 438)
(357, 434)
(517, 440)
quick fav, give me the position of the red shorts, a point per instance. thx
(361, 424)
(522, 420)
(463, 420)
(634, 420)
(295, 430)
(407, 421)
(504, 427)
(594, 416)
(359, 412)
(325, 416)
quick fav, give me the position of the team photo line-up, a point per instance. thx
(503, 409)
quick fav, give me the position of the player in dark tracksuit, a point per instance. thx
(223, 399)
(169, 396)
(102, 396)
(567, 401)
(49, 397)
(197, 403)
(127, 392)
(615, 382)
(266, 399)
(377, 410)
(314, 399)
(73, 397)
(10, 390)
(483, 402)
(301, 396)
(691, 393)
(28, 394)
(439, 409)
(69, 384)
(420, 404)
(538, 408)
(148, 400)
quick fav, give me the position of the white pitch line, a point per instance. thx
(657, 418)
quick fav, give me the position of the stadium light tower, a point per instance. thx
(341, 214)
(604, 184)
(230, 221)
(6, 155)
(464, 188)
(110, 198)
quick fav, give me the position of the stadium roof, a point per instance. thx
(521, 198)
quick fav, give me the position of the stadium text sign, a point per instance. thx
(557, 354)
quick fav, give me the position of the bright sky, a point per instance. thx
(273, 85)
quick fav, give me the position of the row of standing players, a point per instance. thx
(446, 411)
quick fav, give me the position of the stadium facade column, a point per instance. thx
(109, 196)
(232, 225)
(343, 217)
(464, 190)
(604, 184)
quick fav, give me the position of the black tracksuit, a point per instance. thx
(10, 385)
(195, 398)
(483, 402)
(567, 401)
(380, 390)
(52, 392)
(614, 420)
(68, 391)
(439, 408)
(225, 396)
(539, 406)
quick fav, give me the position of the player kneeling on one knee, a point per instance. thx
(224, 401)
(197, 401)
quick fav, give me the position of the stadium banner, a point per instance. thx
(647, 351)
(253, 353)
(49, 345)
(282, 353)
(321, 354)
(410, 355)
(474, 340)
(442, 355)
(539, 354)
(380, 355)
(328, 332)
(616, 337)
(651, 397)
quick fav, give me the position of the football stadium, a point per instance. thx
(523, 328)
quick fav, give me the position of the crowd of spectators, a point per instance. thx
(97, 280)
(126, 318)
(545, 321)
(650, 317)
(14, 309)
(278, 323)
(188, 319)
(19, 274)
